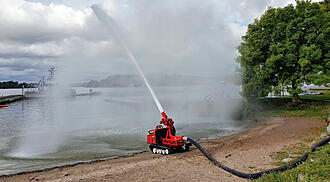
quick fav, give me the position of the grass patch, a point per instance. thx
(289, 152)
(317, 106)
(315, 168)
(325, 96)
(271, 107)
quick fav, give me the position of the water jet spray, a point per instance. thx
(162, 140)
(111, 26)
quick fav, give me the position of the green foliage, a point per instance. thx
(286, 47)
(317, 106)
(272, 107)
(325, 96)
(315, 168)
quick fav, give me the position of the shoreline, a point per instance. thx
(231, 150)
(105, 158)
(10, 99)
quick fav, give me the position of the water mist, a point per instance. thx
(115, 123)
(111, 25)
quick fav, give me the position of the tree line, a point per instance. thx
(15, 84)
(286, 48)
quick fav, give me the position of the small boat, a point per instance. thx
(1, 106)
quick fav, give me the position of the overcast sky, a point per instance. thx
(173, 36)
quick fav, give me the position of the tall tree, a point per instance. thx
(286, 47)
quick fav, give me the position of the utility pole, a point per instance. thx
(22, 91)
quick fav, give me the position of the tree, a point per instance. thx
(286, 47)
(15, 84)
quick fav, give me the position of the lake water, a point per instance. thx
(42, 133)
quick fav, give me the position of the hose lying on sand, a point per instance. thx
(294, 164)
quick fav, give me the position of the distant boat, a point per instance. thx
(91, 93)
(1, 106)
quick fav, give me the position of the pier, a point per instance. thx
(10, 99)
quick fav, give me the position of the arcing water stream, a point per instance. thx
(37, 134)
(98, 127)
(111, 26)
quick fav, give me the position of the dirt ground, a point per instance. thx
(248, 152)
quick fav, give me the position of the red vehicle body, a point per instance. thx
(163, 140)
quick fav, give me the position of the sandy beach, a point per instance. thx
(248, 151)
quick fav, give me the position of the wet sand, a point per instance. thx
(248, 151)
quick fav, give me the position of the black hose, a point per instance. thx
(293, 164)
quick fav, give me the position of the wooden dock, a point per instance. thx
(10, 99)
(13, 98)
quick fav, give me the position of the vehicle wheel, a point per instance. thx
(163, 152)
(167, 151)
(186, 147)
(154, 150)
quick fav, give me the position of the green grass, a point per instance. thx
(325, 96)
(292, 152)
(315, 168)
(313, 109)
(317, 106)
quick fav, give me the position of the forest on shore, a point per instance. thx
(15, 84)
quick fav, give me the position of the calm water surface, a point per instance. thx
(43, 133)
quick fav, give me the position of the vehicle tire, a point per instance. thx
(186, 147)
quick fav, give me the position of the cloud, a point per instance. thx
(175, 37)
(34, 22)
(19, 68)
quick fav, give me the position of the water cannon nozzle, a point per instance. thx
(164, 115)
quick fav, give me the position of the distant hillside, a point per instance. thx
(154, 79)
